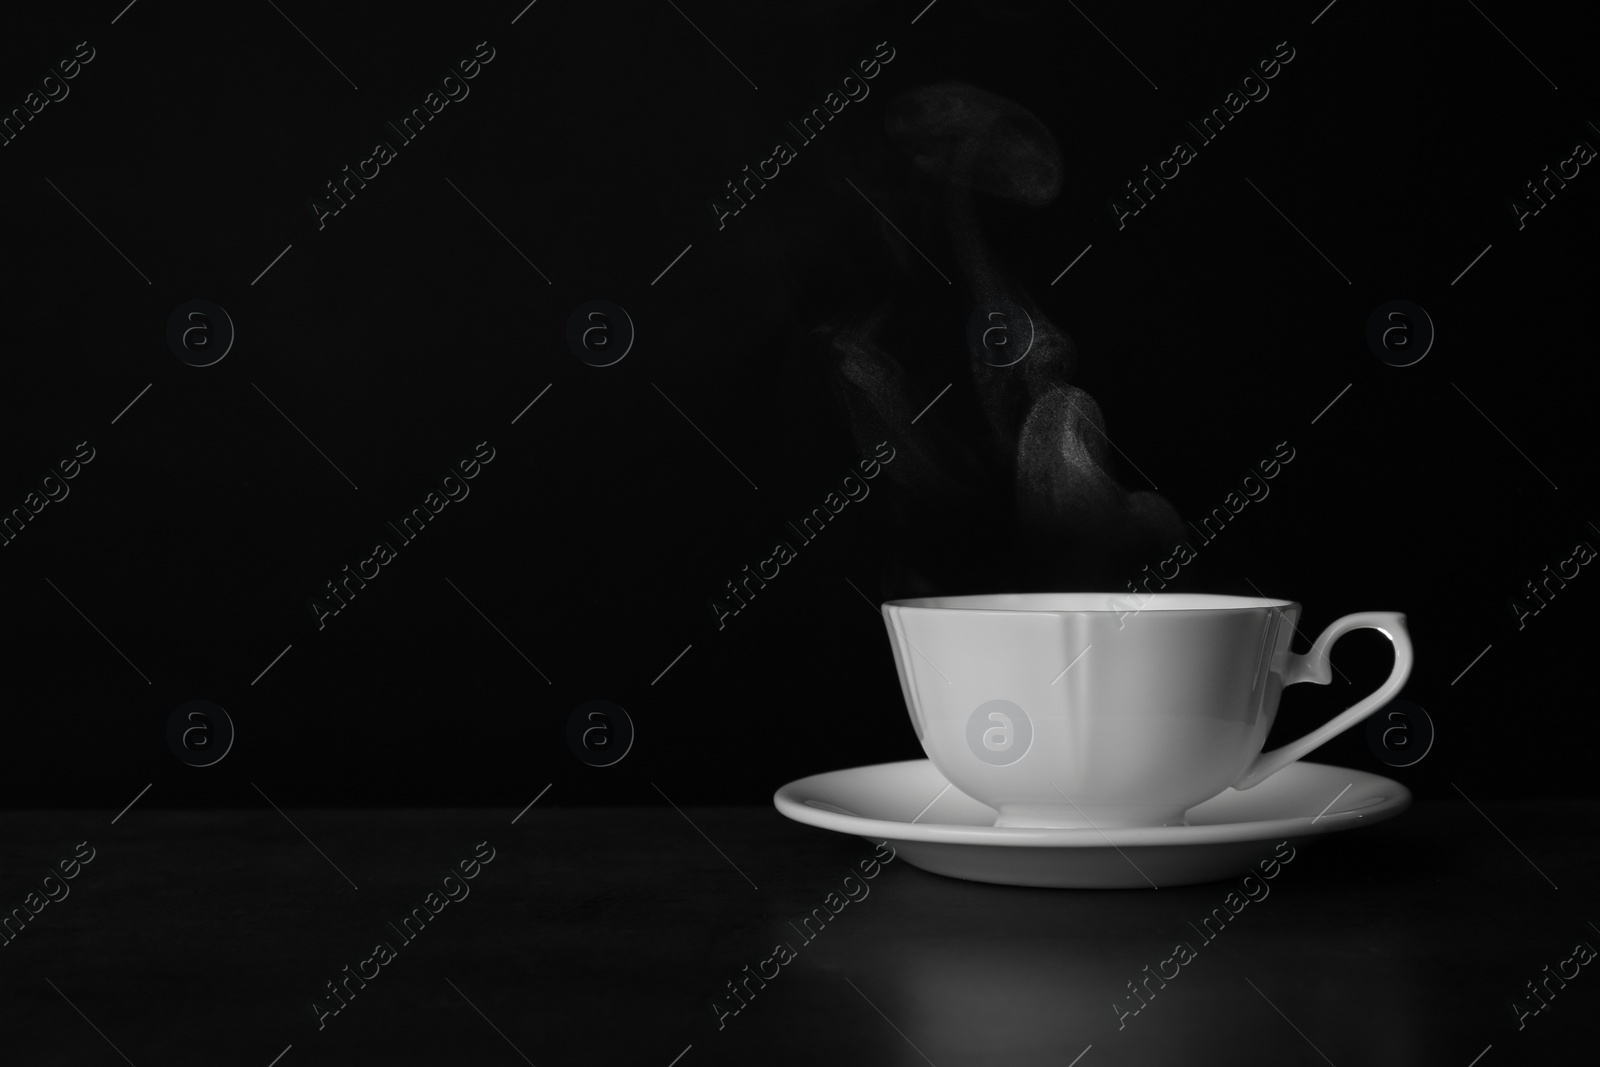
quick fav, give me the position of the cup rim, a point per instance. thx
(1095, 603)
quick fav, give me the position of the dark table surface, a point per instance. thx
(598, 935)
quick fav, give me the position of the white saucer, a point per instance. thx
(937, 827)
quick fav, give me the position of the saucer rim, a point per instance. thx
(792, 806)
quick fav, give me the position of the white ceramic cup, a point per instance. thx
(1093, 709)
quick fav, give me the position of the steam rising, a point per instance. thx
(1028, 486)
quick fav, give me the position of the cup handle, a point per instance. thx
(1314, 667)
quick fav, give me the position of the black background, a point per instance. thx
(408, 330)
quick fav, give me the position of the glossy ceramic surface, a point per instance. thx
(935, 826)
(1084, 709)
